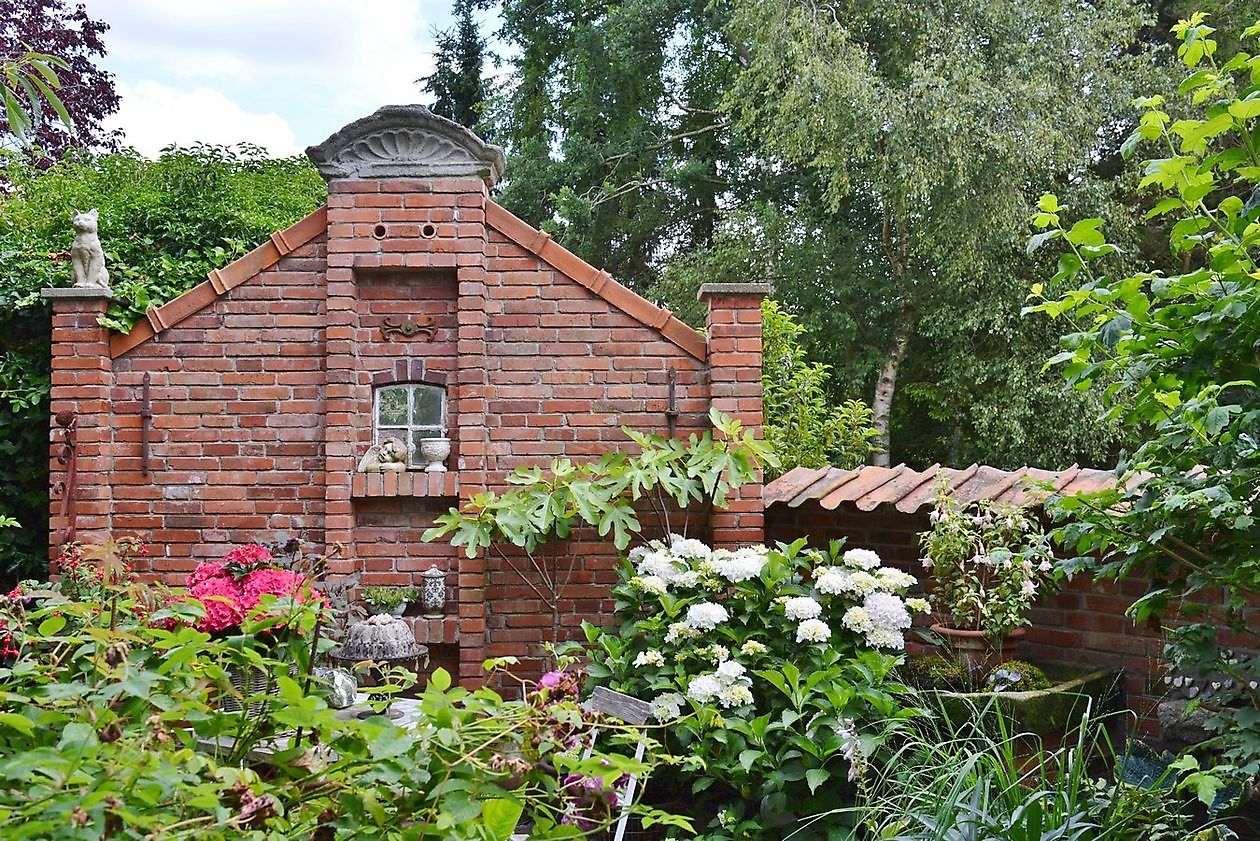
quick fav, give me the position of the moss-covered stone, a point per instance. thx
(1015, 676)
(936, 671)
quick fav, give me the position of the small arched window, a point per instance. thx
(411, 412)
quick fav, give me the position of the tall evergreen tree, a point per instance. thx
(457, 83)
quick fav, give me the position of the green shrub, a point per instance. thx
(112, 726)
(773, 668)
(389, 598)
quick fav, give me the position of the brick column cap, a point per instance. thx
(76, 293)
(708, 290)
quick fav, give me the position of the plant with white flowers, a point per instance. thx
(756, 655)
(990, 562)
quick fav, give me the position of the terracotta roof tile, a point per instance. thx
(910, 490)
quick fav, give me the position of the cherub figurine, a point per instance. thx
(388, 456)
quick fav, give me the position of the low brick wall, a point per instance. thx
(1084, 622)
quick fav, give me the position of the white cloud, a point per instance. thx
(154, 115)
(321, 63)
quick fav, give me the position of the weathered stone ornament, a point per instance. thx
(341, 686)
(87, 259)
(406, 141)
(434, 452)
(389, 456)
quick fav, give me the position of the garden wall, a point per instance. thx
(1084, 622)
(241, 409)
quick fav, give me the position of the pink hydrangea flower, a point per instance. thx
(204, 572)
(222, 599)
(274, 582)
(250, 553)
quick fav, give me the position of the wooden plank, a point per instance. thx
(619, 705)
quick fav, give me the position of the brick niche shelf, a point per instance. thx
(412, 483)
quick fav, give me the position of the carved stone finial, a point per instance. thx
(87, 260)
(406, 141)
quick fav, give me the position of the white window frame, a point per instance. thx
(406, 431)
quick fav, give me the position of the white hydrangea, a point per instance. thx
(802, 607)
(651, 657)
(687, 580)
(887, 611)
(688, 548)
(736, 695)
(741, 565)
(704, 688)
(650, 584)
(862, 583)
(813, 630)
(705, 616)
(752, 648)
(729, 686)
(637, 554)
(831, 581)
(717, 653)
(885, 638)
(919, 605)
(862, 558)
(679, 631)
(661, 564)
(667, 707)
(856, 619)
(895, 579)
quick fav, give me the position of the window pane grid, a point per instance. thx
(410, 413)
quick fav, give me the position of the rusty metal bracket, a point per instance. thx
(406, 328)
(671, 404)
(69, 486)
(146, 419)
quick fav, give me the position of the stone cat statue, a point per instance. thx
(87, 260)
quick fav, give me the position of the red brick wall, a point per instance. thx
(262, 385)
(1083, 622)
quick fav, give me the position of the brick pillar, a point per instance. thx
(734, 336)
(82, 374)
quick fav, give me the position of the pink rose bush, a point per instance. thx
(230, 591)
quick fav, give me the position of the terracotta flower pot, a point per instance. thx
(977, 649)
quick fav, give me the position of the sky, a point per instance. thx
(282, 74)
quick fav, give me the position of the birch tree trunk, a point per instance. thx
(885, 388)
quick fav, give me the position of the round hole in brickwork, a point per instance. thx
(428, 230)
(379, 232)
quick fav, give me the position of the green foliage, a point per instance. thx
(801, 424)
(164, 225)
(389, 597)
(26, 83)
(1175, 355)
(458, 87)
(112, 726)
(544, 507)
(987, 560)
(770, 652)
(945, 779)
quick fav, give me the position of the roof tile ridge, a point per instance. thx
(600, 283)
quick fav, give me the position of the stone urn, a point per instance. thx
(381, 638)
(434, 452)
(976, 649)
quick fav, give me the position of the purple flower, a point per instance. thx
(551, 679)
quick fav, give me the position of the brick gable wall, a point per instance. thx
(261, 384)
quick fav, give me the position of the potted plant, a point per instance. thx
(389, 599)
(989, 561)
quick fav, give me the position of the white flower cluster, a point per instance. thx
(740, 565)
(705, 616)
(728, 685)
(651, 657)
(813, 630)
(884, 614)
(667, 707)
